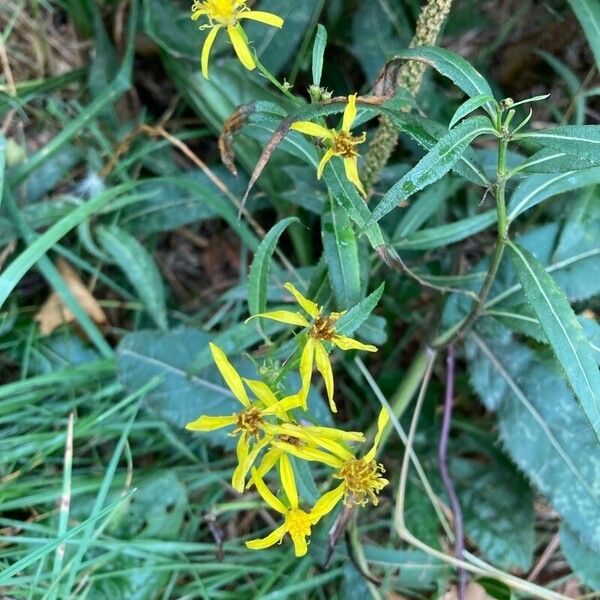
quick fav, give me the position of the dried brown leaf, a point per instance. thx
(232, 125)
(55, 313)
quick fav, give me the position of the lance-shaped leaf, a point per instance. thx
(357, 315)
(562, 330)
(577, 140)
(588, 13)
(467, 107)
(261, 266)
(139, 267)
(537, 188)
(457, 69)
(434, 165)
(340, 248)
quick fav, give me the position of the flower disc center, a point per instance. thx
(363, 480)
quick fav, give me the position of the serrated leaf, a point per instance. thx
(140, 269)
(581, 557)
(537, 188)
(562, 330)
(317, 54)
(456, 68)
(469, 106)
(434, 165)
(340, 248)
(261, 266)
(358, 314)
(588, 14)
(577, 140)
(496, 501)
(541, 427)
(180, 397)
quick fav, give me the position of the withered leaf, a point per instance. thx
(55, 313)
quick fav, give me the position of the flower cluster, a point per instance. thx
(228, 14)
(271, 429)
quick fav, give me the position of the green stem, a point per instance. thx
(501, 178)
(280, 86)
(404, 393)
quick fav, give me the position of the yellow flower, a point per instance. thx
(297, 522)
(301, 436)
(320, 330)
(251, 421)
(341, 143)
(361, 478)
(228, 14)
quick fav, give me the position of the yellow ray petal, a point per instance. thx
(273, 538)
(198, 13)
(351, 168)
(281, 407)
(346, 343)
(267, 495)
(324, 367)
(332, 433)
(382, 421)
(268, 461)
(238, 479)
(283, 316)
(262, 391)
(205, 423)
(306, 367)
(349, 113)
(300, 545)
(240, 45)
(308, 305)
(326, 158)
(245, 461)
(288, 481)
(230, 375)
(327, 502)
(208, 42)
(313, 129)
(311, 454)
(263, 17)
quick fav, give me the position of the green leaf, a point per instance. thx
(582, 558)
(346, 195)
(341, 254)
(414, 569)
(358, 314)
(261, 266)
(434, 165)
(2, 164)
(425, 206)
(37, 248)
(427, 134)
(540, 425)
(496, 501)
(588, 14)
(548, 160)
(456, 68)
(379, 30)
(179, 398)
(537, 188)
(562, 330)
(140, 269)
(436, 237)
(577, 140)
(317, 54)
(468, 106)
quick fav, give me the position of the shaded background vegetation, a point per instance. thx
(159, 267)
